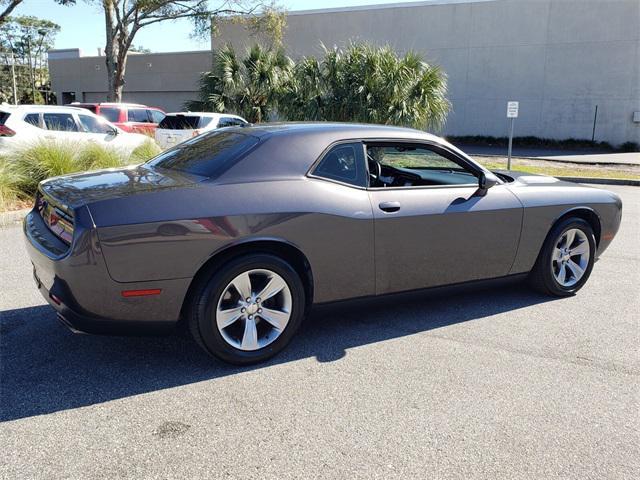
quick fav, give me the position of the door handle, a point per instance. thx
(389, 207)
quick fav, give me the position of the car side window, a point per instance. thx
(32, 119)
(412, 165)
(138, 115)
(110, 113)
(156, 115)
(93, 125)
(62, 122)
(229, 122)
(343, 163)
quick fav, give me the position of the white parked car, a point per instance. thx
(21, 124)
(179, 126)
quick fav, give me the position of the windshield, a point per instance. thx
(208, 155)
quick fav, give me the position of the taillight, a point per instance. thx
(6, 131)
(57, 218)
(195, 133)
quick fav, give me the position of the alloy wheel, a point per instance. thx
(254, 309)
(570, 257)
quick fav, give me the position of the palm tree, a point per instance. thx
(363, 83)
(249, 87)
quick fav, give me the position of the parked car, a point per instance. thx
(24, 123)
(180, 126)
(130, 117)
(239, 231)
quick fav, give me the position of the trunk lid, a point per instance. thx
(71, 191)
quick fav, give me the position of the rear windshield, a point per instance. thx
(3, 117)
(208, 155)
(183, 122)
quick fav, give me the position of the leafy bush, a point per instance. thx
(630, 147)
(368, 84)
(249, 87)
(41, 160)
(23, 168)
(94, 156)
(568, 143)
(9, 185)
(361, 83)
(144, 152)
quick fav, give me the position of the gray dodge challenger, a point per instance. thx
(237, 233)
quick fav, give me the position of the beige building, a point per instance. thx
(558, 58)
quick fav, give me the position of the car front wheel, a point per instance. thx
(248, 310)
(566, 259)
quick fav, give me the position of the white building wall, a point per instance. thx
(165, 80)
(559, 58)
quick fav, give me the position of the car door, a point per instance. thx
(139, 120)
(432, 224)
(340, 238)
(96, 129)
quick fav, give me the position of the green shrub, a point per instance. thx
(630, 147)
(41, 160)
(9, 185)
(94, 156)
(144, 152)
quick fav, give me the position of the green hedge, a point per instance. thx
(23, 168)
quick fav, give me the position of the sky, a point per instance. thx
(82, 25)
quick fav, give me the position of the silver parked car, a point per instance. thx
(239, 231)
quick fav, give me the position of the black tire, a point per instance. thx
(201, 314)
(542, 277)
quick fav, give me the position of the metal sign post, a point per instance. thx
(512, 114)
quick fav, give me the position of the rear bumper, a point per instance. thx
(76, 283)
(79, 322)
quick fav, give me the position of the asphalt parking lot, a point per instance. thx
(491, 382)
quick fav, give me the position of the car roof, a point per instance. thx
(288, 150)
(110, 104)
(40, 108)
(205, 114)
(337, 129)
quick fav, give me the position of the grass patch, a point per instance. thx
(10, 194)
(564, 171)
(567, 144)
(23, 168)
(95, 157)
(144, 152)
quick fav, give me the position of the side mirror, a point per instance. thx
(113, 131)
(486, 181)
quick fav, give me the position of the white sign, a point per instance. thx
(512, 109)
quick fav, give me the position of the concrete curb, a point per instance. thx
(13, 216)
(603, 181)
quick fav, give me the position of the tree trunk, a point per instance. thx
(121, 67)
(4, 15)
(116, 50)
(111, 49)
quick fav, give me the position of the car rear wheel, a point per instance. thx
(566, 259)
(248, 310)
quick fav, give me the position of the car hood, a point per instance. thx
(85, 188)
(526, 179)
